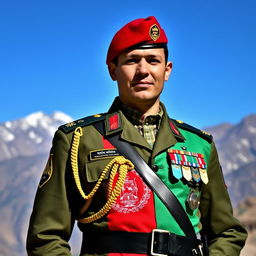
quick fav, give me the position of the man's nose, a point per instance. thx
(143, 67)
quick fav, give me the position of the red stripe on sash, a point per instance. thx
(134, 210)
(106, 144)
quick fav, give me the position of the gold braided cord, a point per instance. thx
(118, 165)
(122, 166)
(74, 156)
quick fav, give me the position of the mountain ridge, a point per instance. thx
(33, 132)
(236, 143)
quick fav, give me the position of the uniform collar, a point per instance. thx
(116, 121)
(138, 118)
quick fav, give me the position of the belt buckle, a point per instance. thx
(153, 239)
(198, 251)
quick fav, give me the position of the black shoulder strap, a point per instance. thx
(153, 181)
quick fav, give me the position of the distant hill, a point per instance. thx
(236, 143)
(18, 184)
(24, 147)
(236, 146)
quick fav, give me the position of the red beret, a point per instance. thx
(140, 31)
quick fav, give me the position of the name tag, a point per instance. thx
(103, 153)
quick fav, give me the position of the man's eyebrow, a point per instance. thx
(133, 55)
(154, 56)
(146, 56)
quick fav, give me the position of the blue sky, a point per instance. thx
(52, 56)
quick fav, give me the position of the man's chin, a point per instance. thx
(143, 100)
(145, 97)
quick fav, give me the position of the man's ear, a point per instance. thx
(168, 70)
(112, 70)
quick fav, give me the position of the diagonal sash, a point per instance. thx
(153, 181)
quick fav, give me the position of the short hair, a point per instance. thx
(166, 53)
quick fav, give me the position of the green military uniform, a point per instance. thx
(58, 201)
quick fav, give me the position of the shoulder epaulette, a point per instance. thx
(69, 127)
(207, 136)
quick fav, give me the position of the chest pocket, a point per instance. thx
(94, 168)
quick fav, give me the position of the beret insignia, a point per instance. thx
(154, 32)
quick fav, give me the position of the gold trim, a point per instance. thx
(204, 132)
(71, 124)
(154, 32)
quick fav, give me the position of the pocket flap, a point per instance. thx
(95, 168)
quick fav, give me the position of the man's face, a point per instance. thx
(140, 75)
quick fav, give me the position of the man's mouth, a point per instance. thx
(142, 83)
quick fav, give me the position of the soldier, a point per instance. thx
(136, 181)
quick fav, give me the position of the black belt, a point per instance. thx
(157, 243)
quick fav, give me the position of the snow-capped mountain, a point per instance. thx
(29, 136)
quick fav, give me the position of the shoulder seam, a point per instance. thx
(70, 127)
(205, 135)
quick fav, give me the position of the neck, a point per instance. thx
(146, 108)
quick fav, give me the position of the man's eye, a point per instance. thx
(154, 61)
(130, 61)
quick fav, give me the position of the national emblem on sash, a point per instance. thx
(134, 196)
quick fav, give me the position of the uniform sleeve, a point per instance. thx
(51, 222)
(225, 234)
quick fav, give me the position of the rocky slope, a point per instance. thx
(236, 146)
(236, 143)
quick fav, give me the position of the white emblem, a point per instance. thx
(134, 196)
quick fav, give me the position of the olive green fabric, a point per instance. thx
(51, 221)
(57, 203)
(226, 235)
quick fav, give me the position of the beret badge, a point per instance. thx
(154, 32)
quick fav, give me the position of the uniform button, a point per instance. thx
(155, 168)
